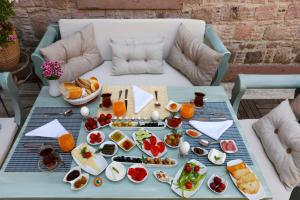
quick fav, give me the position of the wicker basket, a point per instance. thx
(10, 56)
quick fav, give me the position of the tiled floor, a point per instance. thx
(255, 104)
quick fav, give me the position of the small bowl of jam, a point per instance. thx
(73, 174)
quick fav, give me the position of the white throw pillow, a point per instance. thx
(140, 56)
(279, 133)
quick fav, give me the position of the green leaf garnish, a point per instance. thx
(217, 158)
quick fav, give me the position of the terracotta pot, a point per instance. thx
(10, 55)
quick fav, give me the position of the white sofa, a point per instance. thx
(105, 29)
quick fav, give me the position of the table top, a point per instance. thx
(50, 185)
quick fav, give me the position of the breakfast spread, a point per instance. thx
(80, 88)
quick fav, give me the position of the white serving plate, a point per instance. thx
(146, 151)
(109, 142)
(188, 194)
(210, 180)
(259, 195)
(99, 159)
(110, 174)
(135, 166)
(101, 134)
(147, 165)
(173, 110)
(215, 152)
(135, 128)
(84, 100)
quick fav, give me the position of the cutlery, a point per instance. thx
(157, 104)
(120, 94)
(207, 143)
(65, 113)
(213, 114)
(126, 100)
(210, 119)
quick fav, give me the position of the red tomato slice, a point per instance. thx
(155, 151)
(147, 145)
(161, 147)
(152, 140)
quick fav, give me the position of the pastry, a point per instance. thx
(247, 178)
(70, 90)
(233, 168)
(240, 172)
(83, 83)
(94, 83)
(249, 187)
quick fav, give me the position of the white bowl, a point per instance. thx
(199, 134)
(135, 166)
(97, 143)
(110, 174)
(98, 126)
(170, 127)
(109, 142)
(210, 180)
(73, 169)
(87, 176)
(214, 152)
(84, 100)
(173, 110)
(174, 147)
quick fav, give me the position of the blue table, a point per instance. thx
(49, 185)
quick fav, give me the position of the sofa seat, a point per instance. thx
(8, 131)
(277, 188)
(170, 77)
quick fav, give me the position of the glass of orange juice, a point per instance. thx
(66, 142)
(119, 108)
(187, 110)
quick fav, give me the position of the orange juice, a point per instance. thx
(66, 142)
(187, 110)
(119, 108)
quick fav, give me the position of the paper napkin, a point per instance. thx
(52, 129)
(211, 129)
(141, 98)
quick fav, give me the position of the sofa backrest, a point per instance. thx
(105, 29)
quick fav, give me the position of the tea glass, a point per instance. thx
(49, 159)
(106, 101)
(198, 101)
(119, 108)
(66, 142)
(187, 110)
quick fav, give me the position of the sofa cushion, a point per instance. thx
(137, 57)
(193, 58)
(278, 190)
(171, 77)
(279, 133)
(105, 29)
(78, 53)
(295, 104)
(8, 131)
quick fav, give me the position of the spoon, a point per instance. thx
(157, 104)
(207, 143)
(65, 113)
(120, 94)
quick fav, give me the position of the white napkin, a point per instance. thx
(52, 129)
(141, 98)
(211, 129)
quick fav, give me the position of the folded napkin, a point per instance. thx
(211, 129)
(141, 98)
(52, 129)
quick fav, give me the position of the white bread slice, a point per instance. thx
(70, 90)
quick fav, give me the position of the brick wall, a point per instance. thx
(255, 31)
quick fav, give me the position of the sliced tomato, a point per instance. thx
(161, 147)
(147, 145)
(152, 140)
(154, 151)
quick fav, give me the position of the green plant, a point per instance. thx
(6, 28)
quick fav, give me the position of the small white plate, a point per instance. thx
(170, 127)
(173, 147)
(199, 134)
(95, 132)
(216, 153)
(135, 166)
(205, 152)
(226, 151)
(211, 179)
(109, 142)
(113, 175)
(98, 126)
(173, 110)
(73, 169)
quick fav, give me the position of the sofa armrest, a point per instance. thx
(216, 43)
(51, 35)
(10, 88)
(255, 81)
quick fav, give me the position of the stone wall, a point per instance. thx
(257, 32)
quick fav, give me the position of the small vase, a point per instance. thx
(53, 88)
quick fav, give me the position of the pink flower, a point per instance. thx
(12, 38)
(51, 70)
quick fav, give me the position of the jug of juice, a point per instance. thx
(187, 110)
(119, 108)
(66, 142)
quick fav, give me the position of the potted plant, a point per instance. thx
(9, 44)
(52, 71)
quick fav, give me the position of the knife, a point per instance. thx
(126, 100)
